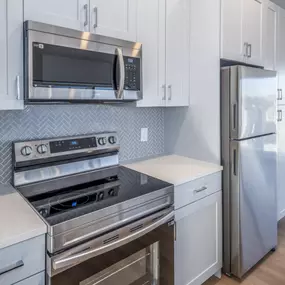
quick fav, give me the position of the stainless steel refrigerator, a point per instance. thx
(249, 156)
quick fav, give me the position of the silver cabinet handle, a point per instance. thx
(93, 252)
(200, 190)
(86, 15)
(278, 93)
(281, 94)
(169, 92)
(279, 116)
(11, 267)
(119, 92)
(164, 92)
(245, 50)
(95, 17)
(18, 87)
(249, 51)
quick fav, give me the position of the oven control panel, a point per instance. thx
(42, 149)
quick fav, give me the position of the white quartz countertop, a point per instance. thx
(175, 169)
(18, 221)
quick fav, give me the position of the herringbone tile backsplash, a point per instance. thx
(36, 122)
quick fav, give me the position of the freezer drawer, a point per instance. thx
(249, 97)
(253, 201)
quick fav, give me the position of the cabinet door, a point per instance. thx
(252, 30)
(232, 45)
(114, 18)
(38, 279)
(177, 52)
(270, 36)
(151, 33)
(281, 163)
(281, 54)
(72, 14)
(198, 245)
(11, 54)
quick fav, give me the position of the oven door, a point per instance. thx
(137, 254)
(60, 68)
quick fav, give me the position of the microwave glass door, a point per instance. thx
(59, 66)
(146, 260)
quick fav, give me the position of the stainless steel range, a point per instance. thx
(107, 224)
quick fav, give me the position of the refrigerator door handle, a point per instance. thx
(235, 162)
(234, 116)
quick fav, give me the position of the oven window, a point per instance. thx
(147, 260)
(70, 67)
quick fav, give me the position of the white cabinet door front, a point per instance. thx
(11, 55)
(177, 52)
(198, 245)
(252, 30)
(73, 14)
(114, 18)
(270, 37)
(281, 163)
(151, 33)
(281, 55)
(232, 45)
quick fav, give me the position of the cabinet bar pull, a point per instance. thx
(169, 92)
(281, 94)
(245, 50)
(96, 17)
(18, 87)
(164, 92)
(249, 52)
(281, 115)
(278, 116)
(200, 190)
(278, 93)
(86, 15)
(11, 267)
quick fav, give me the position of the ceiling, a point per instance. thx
(281, 3)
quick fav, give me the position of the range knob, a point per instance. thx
(102, 141)
(26, 150)
(112, 140)
(42, 149)
(111, 192)
(101, 196)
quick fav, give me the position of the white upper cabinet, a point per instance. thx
(11, 55)
(242, 30)
(252, 30)
(151, 33)
(281, 55)
(164, 31)
(73, 14)
(177, 52)
(114, 18)
(232, 46)
(270, 36)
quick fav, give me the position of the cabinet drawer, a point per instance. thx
(38, 279)
(190, 192)
(22, 260)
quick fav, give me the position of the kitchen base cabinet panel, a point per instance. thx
(198, 245)
(38, 279)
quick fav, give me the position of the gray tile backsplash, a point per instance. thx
(37, 122)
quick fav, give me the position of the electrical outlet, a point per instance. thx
(144, 134)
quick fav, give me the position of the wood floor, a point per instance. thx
(270, 271)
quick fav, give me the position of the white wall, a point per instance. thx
(195, 131)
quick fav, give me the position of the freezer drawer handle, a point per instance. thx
(235, 162)
(201, 189)
(11, 267)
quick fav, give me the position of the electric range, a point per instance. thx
(88, 201)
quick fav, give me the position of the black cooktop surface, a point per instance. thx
(68, 203)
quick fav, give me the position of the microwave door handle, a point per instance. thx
(120, 90)
(93, 252)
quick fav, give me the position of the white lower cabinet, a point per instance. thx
(198, 245)
(38, 279)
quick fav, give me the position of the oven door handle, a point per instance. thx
(119, 92)
(69, 261)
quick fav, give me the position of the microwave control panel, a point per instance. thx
(132, 73)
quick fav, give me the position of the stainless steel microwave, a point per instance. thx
(64, 65)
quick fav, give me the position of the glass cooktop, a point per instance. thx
(68, 203)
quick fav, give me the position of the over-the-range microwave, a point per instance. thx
(64, 65)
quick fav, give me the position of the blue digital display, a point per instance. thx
(130, 60)
(74, 204)
(74, 142)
